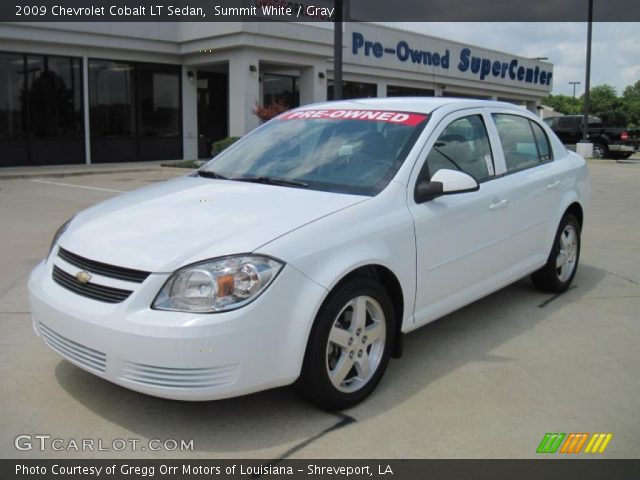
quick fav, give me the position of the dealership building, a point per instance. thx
(115, 92)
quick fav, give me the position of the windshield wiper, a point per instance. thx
(283, 182)
(210, 174)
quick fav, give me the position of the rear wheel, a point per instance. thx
(600, 150)
(349, 346)
(557, 274)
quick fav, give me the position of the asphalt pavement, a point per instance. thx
(487, 381)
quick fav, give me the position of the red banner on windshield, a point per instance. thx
(399, 118)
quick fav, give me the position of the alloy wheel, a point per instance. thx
(356, 344)
(567, 256)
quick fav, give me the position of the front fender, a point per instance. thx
(379, 231)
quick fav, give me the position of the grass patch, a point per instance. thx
(192, 164)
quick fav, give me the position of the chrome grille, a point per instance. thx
(112, 271)
(91, 290)
(180, 377)
(85, 356)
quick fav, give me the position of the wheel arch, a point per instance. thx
(392, 286)
(576, 210)
(601, 139)
(571, 203)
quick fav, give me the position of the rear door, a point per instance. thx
(534, 187)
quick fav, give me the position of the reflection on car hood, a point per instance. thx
(165, 226)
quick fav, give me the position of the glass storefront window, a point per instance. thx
(40, 109)
(12, 97)
(159, 101)
(135, 111)
(55, 105)
(112, 98)
(353, 90)
(68, 75)
(398, 91)
(280, 88)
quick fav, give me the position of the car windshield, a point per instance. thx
(346, 151)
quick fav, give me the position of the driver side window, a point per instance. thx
(463, 145)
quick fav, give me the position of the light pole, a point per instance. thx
(574, 87)
(584, 146)
(587, 79)
(337, 51)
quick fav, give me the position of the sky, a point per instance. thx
(615, 55)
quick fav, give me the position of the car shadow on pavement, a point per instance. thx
(269, 423)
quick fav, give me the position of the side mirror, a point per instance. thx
(445, 182)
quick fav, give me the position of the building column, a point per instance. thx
(189, 113)
(438, 91)
(244, 92)
(381, 91)
(312, 87)
(532, 106)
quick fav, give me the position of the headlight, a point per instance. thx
(217, 285)
(57, 235)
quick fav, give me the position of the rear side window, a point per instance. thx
(524, 143)
(566, 122)
(544, 150)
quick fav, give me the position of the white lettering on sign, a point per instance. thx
(372, 115)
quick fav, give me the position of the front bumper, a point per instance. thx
(178, 355)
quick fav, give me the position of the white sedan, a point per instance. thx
(304, 252)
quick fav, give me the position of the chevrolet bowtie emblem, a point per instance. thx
(83, 277)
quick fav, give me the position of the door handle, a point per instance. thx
(499, 205)
(553, 185)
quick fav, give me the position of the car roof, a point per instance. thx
(409, 104)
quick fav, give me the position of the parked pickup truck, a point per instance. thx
(608, 142)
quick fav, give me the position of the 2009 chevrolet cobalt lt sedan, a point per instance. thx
(304, 251)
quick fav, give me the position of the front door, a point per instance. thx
(212, 110)
(460, 239)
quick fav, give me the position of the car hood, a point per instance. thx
(165, 226)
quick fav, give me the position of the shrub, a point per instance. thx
(221, 145)
(267, 112)
(192, 164)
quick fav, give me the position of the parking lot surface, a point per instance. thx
(487, 381)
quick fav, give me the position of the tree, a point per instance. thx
(563, 104)
(613, 110)
(605, 104)
(631, 104)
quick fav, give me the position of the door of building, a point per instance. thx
(213, 110)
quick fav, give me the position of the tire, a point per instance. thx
(566, 252)
(600, 150)
(344, 362)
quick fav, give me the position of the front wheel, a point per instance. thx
(557, 274)
(349, 345)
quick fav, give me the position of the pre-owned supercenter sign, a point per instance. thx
(483, 67)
